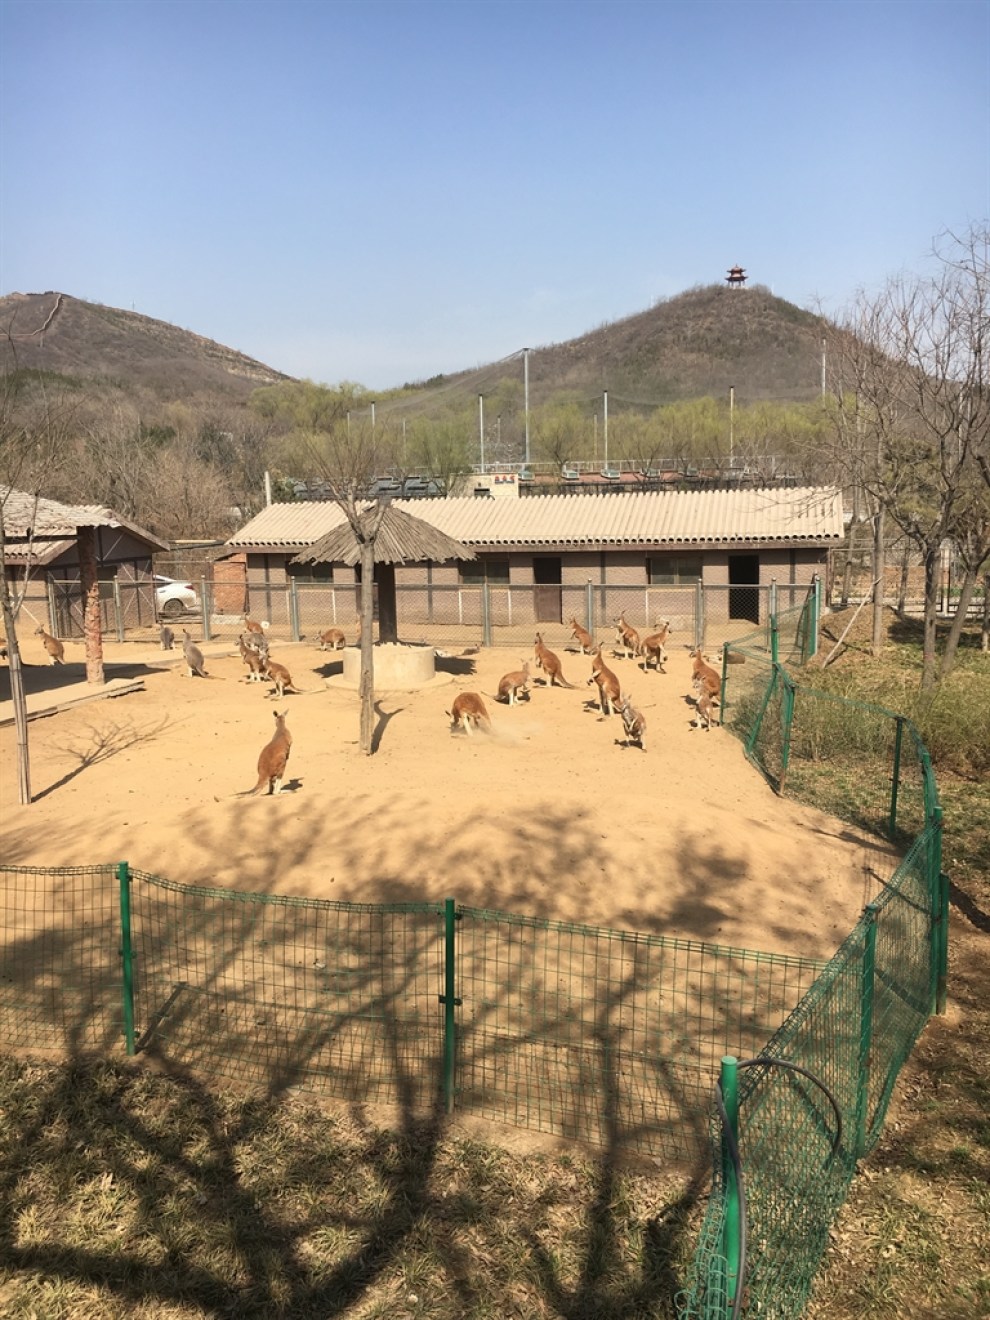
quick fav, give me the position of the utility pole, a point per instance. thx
(732, 409)
(526, 398)
(823, 366)
(481, 430)
(605, 425)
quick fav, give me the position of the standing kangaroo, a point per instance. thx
(253, 656)
(194, 656)
(513, 687)
(626, 637)
(166, 637)
(583, 638)
(332, 639)
(55, 649)
(273, 758)
(608, 685)
(280, 676)
(634, 722)
(549, 662)
(654, 647)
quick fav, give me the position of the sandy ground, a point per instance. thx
(549, 816)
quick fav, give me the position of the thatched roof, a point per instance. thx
(401, 539)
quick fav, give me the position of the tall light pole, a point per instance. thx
(481, 430)
(605, 425)
(526, 398)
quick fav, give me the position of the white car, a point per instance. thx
(174, 598)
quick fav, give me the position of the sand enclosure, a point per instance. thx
(550, 816)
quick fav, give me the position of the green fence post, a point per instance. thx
(774, 635)
(866, 1027)
(939, 889)
(126, 954)
(895, 777)
(450, 1002)
(788, 720)
(729, 1082)
(294, 609)
(816, 615)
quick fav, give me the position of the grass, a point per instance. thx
(126, 1192)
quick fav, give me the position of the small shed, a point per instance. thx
(402, 539)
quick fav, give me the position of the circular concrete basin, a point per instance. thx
(398, 665)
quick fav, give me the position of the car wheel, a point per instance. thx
(172, 609)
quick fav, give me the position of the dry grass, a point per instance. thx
(130, 1193)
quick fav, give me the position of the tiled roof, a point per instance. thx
(811, 514)
(45, 518)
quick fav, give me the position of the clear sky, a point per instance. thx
(382, 190)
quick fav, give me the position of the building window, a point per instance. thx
(673, 570)
(493, 569)
(310, 572)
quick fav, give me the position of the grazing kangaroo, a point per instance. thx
(280, 676)
(255, 657)
(513, 687)
(654, 647)
(634, 722)
(467, 712)
(55, 649)
(332, 639)
(608, 685)
(549, 662)
(626, 637)
(194, 656)
(583, 638)
(167, 637)
(273, 758)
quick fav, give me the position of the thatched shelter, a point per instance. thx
(401, 539)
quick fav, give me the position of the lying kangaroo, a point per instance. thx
(634, 722)
(273, 758)
(280, 676)
(608, 685)
(549, 662)
(654, 648)
(467, 712)
(626, 638)
(194, 656)
(55, 649)
(332, 639)
(513, 687)
(583, 638)
(166, 637)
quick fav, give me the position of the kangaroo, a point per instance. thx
(626, 638)
(702, 673)
(166, 637)
(583, 638)
(654, 647)
(467, 712)
(253, 626)
(332, 639)
(608, 685)
(706, 703)
(194, 656)
(513, 687)
(634, 722)
(55, 649)
(280, 676)
(549, 662)
(273, 758)
(253, 656)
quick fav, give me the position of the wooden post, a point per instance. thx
(92, 623)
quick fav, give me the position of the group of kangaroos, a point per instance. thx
(469, 711)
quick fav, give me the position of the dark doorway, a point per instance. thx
(744, 587)
(547, 589)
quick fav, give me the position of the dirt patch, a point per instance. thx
(549, 816)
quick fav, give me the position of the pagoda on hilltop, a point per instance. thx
(736, 277)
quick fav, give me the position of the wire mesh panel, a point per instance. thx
(332, 997)
(605, 1036)
(60, 982)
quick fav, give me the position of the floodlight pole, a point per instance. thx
(526, 398)
(605, 425)
(481, 430)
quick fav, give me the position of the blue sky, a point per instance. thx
(381, 191)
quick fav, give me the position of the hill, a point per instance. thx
(701, 342)
(66, 336)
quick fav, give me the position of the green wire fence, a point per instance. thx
(605, 1036)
